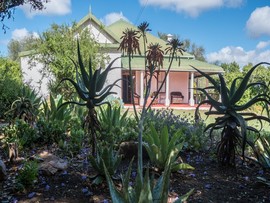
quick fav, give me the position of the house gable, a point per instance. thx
(99, 31)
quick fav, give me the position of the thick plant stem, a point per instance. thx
(132, 88)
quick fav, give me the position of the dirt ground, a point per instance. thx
(210, 182)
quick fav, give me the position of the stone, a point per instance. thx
(130, 149)
(51, 164)
(3, 170)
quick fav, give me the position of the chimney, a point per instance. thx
(169, 37)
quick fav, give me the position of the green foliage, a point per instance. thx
(263, 153)
(22, 133)
(26, 106)
(51, 113)
(115, 125)
(232, 116)
(160, 147)
(59, 41)
(16, 46)
(53, 123)
(10, 83)
(27, 175)
(145, 190)
(108, 157)
(76, 140)
(260, 74)
(192, 132)
(50, 131)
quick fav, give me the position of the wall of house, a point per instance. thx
(115, 74)
(33, 77)
(179, 81)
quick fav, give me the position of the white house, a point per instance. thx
(180, 81)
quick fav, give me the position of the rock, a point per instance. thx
(52, 163)
(208, 186)
(3, 170)
(130, 149)
(31, 195)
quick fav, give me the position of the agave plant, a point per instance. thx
(105, 155)
(160, 148)
(26, 106)
(90, 87)
(233, 116)
(144, 190)
(50, 110)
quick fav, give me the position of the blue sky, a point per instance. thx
(229, 30)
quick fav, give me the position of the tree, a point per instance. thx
(7, 8)
(233, 70)
(10, 83)
(56, 48)
(17, 46)
(192, 48)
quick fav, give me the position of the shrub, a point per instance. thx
(22, 133)
(27, 175)
(195, 139)
(50, 131)
(116, 126)
(10, 83)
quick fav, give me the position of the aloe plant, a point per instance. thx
(143, 190)
(160, 148)
(90, 87)
(111, 159)
(233, 116)
(263, 156)
(26, 106)
(50, 111)
(113, 122)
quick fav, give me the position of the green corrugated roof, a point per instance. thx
(137, 63)
(121, 25)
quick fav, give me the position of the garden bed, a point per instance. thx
(211, 183)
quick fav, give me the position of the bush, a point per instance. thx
(116, 126)
(50, 131)
(194, 136)
(27, 175)
(22, 133)
(10, 83)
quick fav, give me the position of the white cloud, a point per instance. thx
(113, 17)
(20, 34)
(263, 44)
(192, 7)
(238, 54)
(257, 23)
(53, 7)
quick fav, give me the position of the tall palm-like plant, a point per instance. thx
(143, 29)
(174, 47)
(130, 45)
(233, 116)
(90, 87)
(154, 57)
